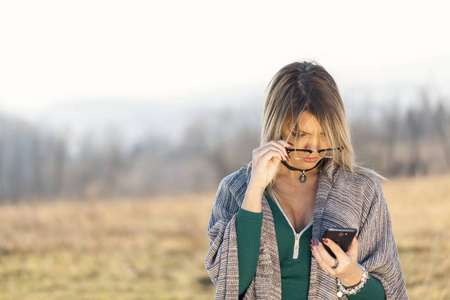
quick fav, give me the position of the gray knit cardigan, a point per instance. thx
(343, 200)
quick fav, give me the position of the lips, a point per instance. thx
(311, 159)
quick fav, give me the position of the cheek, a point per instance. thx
(324, 143)
(300, 143)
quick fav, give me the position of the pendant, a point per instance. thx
(302, 178)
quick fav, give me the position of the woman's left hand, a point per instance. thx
(348, 270)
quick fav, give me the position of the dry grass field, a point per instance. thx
(154, 248)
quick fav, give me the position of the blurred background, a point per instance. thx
(120, 118)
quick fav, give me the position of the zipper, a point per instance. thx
(296, 245)
(296, 235)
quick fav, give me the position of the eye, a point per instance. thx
(302, 134)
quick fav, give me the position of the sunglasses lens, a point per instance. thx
(299, 154)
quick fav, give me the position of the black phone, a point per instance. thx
(341, 236)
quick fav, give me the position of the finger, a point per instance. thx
(285, 143)
(280, 144)
(269, 156)
(327, 258)
(324, 262)
(270, 145)
(353, 249)
(263, 150)
(337, 250)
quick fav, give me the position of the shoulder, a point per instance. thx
(236, 182)
(359, 192)
(363, 181)
(362, 176)
(229, 196)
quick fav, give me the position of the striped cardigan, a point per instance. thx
(343, 200)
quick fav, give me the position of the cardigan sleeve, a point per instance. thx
(377, 247)
(221, 260)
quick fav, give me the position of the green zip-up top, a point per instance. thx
(294, 252)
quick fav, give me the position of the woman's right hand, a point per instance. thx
(265, 162)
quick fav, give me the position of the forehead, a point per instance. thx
(306, 122)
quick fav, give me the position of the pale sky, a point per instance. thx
(56, 51)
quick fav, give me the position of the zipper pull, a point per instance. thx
(296, 245)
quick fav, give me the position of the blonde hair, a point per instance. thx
(307, 87)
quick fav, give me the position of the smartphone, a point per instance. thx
(341, 236)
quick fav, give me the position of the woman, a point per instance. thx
(268, 219)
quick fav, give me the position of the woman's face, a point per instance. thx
(308, 135)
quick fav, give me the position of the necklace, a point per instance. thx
(302, 178)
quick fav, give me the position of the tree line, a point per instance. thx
(40, 165)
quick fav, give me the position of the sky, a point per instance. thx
(56, 52)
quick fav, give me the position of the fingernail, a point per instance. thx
(311, 246)
(316, 242)
(325, 241)
(290, 144)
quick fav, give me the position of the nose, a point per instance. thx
(313, 143)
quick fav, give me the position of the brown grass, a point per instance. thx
(420, 211)
(154, 248)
